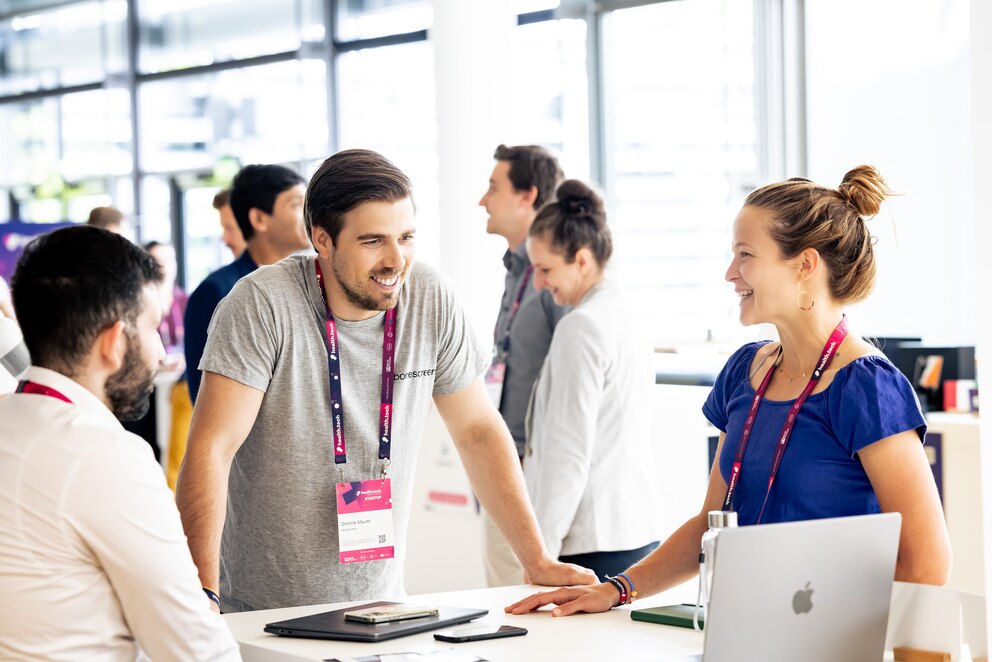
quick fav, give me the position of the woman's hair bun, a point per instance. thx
(865, 190)
(576, 199)
(575, 220)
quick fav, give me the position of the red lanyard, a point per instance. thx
(334, 370)
(516, 306)
(826, 356)
(39, 389)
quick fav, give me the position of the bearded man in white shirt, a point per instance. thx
(93, 560)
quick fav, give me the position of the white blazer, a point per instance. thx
(588, 463)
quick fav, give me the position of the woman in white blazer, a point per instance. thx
(588, 462)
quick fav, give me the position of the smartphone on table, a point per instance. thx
(389, 613)
(479, 632)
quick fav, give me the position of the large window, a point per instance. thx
(387, 104)
(188, 33)
(204, 250)
(371, 19)
(653, 101)
(95, 132)
(552, 100)
(70, 44)
(62, 153)
(265, 114)
(682, 152)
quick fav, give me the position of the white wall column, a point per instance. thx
(474, 89)
(470, 39)
(981, 130)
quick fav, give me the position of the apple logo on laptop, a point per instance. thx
(802, 601)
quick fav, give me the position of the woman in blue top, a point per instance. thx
(801, 253)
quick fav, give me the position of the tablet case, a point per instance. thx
(333, 625)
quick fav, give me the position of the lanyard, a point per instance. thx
(40, 389)
(516, 306)
(334, 372)
(826, 356)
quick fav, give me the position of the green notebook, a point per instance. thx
(678, 615)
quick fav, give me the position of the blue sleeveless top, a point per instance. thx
(821, 475)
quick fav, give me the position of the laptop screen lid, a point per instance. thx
(816, 590)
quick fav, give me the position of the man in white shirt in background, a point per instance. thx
(93, 560)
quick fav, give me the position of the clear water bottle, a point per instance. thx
(14, 356)
(718, 520)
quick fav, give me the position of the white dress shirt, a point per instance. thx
(591, 450)
(94, 564)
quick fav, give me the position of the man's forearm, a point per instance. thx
(201, 495)
(493, 467)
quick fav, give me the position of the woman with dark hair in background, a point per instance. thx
(801, 253)
(587, 463)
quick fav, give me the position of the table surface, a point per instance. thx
(607, 636)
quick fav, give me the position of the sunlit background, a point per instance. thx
(675, 109)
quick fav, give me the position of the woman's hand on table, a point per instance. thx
(571, 600)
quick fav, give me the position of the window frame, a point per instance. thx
(779, 66)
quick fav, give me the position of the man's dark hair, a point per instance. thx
(105, 217)
(72, 284)
(346, 180)
(257, 187)
(532, 165)
(222, 198)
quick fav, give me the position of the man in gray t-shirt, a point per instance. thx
(257, 489)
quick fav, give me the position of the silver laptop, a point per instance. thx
(816, 591)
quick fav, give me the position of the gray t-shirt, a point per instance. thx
(280, 543)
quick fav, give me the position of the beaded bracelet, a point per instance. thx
(618, 585)
(212, 595)
(630, 582)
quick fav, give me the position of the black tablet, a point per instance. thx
(333, 625)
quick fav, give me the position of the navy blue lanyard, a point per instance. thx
(334, 371)
(516, 306)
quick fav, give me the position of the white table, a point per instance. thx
(610, 636)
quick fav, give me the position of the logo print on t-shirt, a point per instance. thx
(413, 374)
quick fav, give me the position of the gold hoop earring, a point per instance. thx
(809, 297)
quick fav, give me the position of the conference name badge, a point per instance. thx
(365, 521)
(495, 377)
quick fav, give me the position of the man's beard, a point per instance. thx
(129, 389)
(366, 300)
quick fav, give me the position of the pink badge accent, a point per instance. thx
(361, 497)
(374, 554)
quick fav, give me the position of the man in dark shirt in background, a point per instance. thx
(267, 201)
(523, 180)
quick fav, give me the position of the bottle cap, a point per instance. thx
(722, 519)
